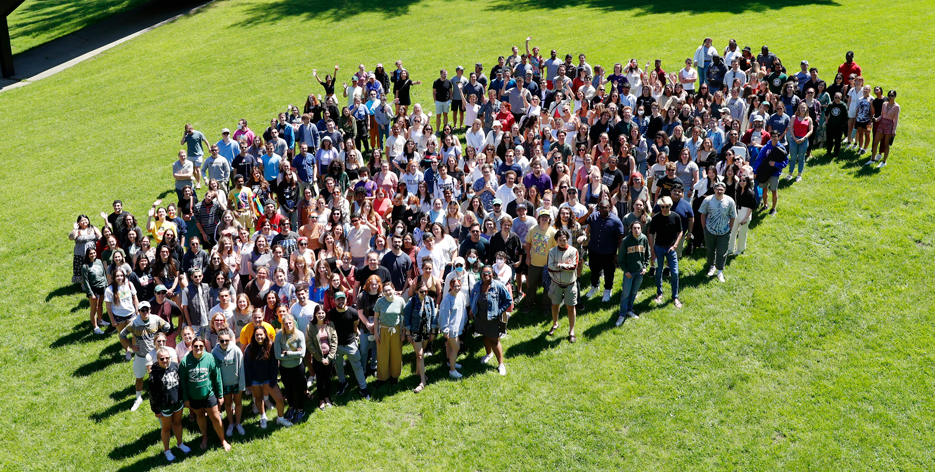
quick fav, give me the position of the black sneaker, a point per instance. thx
(651, 272)
(290, 414)
(772, 212)
(365, 393)
(342, 387)
(665, 272)
(299, 416)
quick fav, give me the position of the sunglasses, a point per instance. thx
(665, 206)
(223, 341)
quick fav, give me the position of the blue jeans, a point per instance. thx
(702, 75)
(382, 134)
(368, 349)
(797, 155)
(672, 262)
(630, 288)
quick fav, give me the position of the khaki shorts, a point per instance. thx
(567, 296)
(772, 184)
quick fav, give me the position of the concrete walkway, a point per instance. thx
(62, 53)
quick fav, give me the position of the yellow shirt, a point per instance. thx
(160, 227)
(541, 242)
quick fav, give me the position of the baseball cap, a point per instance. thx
(459, 68)
(144, 304)
(339, 295)
(160, 288)
(804, 62)
(747, 48)
(497, 201)
(758, 118)
(497, 123)
(328, 138)
(725, 110)
(225, 131)
(545, 212)
(720, 184)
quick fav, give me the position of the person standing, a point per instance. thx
(217, 167)
(632, 258)
(563, 289)
(143, 328)
(441, 94)
(388, 330)
(665, 232)
(539, 240)
(703, 57)
(718, 212)
(202, 390)
(346, 319)
(836, 114)
(165, 400)
(768, 166)
(290, 351)
(193, 140)
(605, 232)
(420, 320)
(229, 358)
(490, 301)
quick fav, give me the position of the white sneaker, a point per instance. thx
(184, 448)
(790, 177)
(502, 369)
(720, 276)
(240, 430)
(606, 297)
(486, 359)
(103, 323)
(283, 422)
(230, 431)
(620, 320)
(861, 151)
(309, 382)
(712, 271)
(169, 456)
(136, 404)
(457, 366)
(591, 292)
(881, 165)
(799, 178)
(269, 404)
(263, 423)
(871, 161)
(98, 331)
(633, 315)
(455, 375)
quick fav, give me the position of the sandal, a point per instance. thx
(572, 338)
(419, 388)
(659, 300)
(552, 331)
(677, 303)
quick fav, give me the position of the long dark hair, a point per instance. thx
(257, 350)
(87, 255)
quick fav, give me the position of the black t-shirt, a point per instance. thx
(442, 90)
(666, 183)
(511, 207)
(613, 178)
(344, 324)
(480, 246)
(365, 273)
(398, 267)
(665, 228)
(166, 310)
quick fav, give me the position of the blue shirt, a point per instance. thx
(304, 166)
(229, 150)
(308, 134)
(271, 167)
(779, 123)
(498, 299)
(605, 233)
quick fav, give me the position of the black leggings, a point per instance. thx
(605, 263)
(362, 140)
(293, 383)
(833, 138)
(322, 379)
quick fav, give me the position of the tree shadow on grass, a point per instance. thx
(659, 7)
(262, 13)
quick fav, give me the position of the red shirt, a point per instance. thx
(849, 68)
(273, 222)
(748, 137)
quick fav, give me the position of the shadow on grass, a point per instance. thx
(534, 346)
(120, 407)
(261, 13)
(659, 7)
(63, 291)
(80, 334)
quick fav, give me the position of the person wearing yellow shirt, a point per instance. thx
(539, 241)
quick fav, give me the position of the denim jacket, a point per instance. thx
(416, 309)
(499, 299)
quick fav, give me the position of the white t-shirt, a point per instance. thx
(689, 74)
(228, 313)
(303, 315)
(395, 145)
(658, 171)
(412, 181)
(123, 304)
(358, 240)
(506, 195)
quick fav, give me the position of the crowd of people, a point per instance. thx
(335, 236)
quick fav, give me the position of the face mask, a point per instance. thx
(414, 207)
(471, 260)
(239, 126)
(459, 269)
(500, 263)
(399, 230)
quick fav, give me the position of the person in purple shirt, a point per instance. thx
(537, 178)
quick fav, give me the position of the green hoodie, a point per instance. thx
(200, 378)
(633, 255)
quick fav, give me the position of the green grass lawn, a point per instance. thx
(37, 22)
(816, 355)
